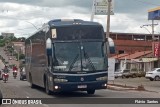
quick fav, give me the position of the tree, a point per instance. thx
(2, 42)
(21, 39)
(21, 56)
(1, 37)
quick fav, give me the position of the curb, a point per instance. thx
(120, 88)
(139, 88)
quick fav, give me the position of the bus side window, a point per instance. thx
(55, 62)
(49, 60)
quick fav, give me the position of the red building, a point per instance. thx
(130, 43)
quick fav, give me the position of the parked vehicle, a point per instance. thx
(140, 74)
(126, 73)
(154, 74)
(22, 74)
(133, 74)
(118, 73)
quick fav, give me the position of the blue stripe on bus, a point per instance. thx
(80, 74)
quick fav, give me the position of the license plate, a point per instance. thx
(82, 86)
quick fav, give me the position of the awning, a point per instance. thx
(149, 59)
(143, 60)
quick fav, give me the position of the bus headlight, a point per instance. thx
(60, 80)
(102, 78)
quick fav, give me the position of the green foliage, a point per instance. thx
(11, 66)
(9, 47)
(2, 42)
(6, 62)
(10, 50)
(21, 56)
(1, 37)
(16, 55)
(22, 39)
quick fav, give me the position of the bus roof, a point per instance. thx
(65, 22)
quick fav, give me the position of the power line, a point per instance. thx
(27, 28)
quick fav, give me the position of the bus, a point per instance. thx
(67, 55)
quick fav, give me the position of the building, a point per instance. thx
(19, 47)
(6, 35)
(141, 61)
(135, 50)
(132, 42)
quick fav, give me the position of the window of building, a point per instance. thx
(120, 51)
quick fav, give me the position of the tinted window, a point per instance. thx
(158, 70)
(79, 32)
(79, 56)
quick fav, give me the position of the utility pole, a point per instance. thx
(153, 31)
(108, 24)
(93, 10)
(108, 19)
(145, 28)
(152, 25)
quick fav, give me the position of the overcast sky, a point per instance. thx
(16, 16)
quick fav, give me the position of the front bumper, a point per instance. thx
(83, 86)
(148, 76)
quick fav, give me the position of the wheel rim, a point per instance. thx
(156, 78)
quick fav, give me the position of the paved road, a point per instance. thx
(3, 54)
(15, 88)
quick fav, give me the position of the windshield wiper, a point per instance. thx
(86, 56)
(73, 62)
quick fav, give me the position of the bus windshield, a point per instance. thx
(79, 32)
(79, 56)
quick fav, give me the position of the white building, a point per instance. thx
(6, 35)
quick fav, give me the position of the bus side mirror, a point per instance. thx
(111, 46)
(49, 46)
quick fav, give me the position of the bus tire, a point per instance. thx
(47, 88)
(90, 91)
(31, 82)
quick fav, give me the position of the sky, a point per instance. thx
(24, 17)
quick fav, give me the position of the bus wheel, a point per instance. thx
(91, 91)
(47, 88)
(31, 83)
